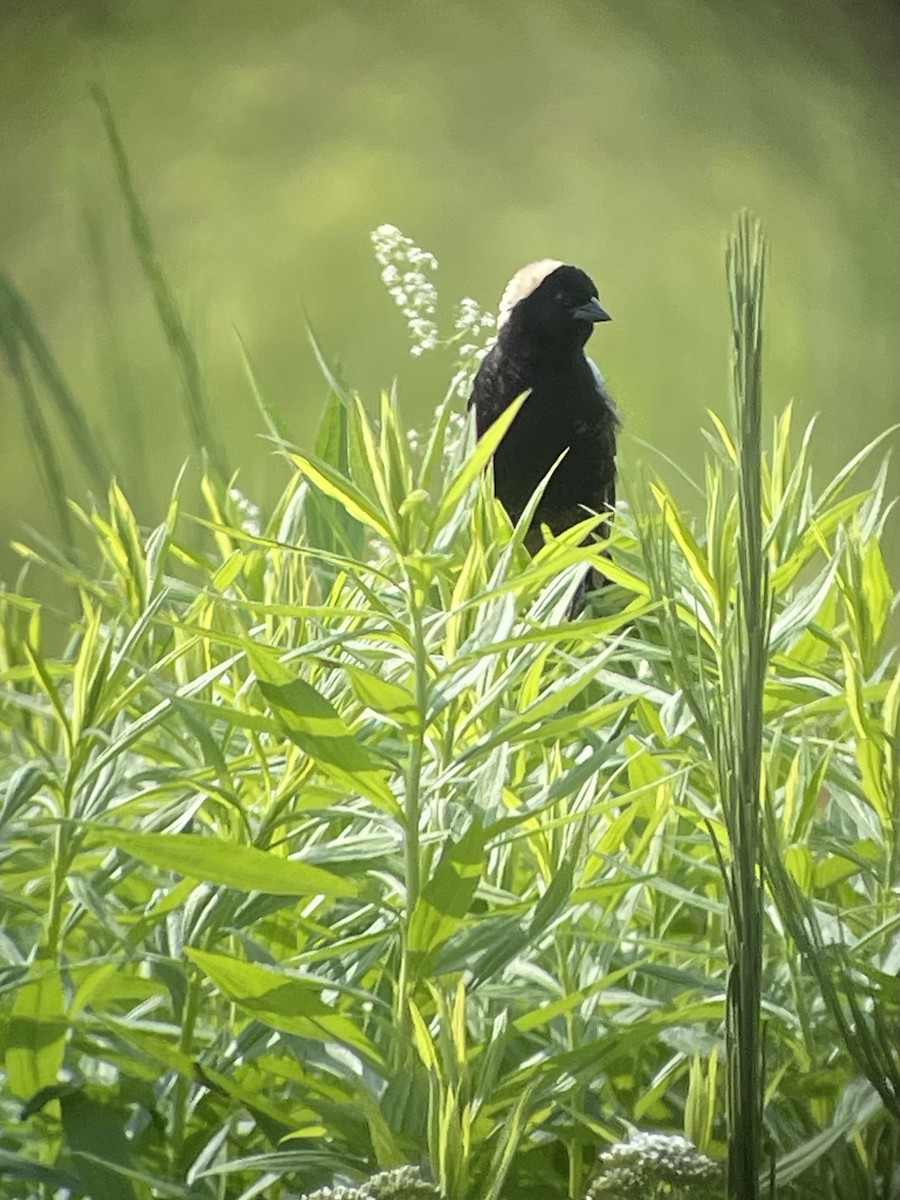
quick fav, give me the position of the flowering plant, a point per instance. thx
(406, 271)
(651, 1165)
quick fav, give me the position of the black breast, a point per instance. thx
(567, 411)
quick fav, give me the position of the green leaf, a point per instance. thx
(314, 724)
(329, 524)
(448, 894)
(36, 1033)
(283, 1002)
(850, 1117)
(228, 863)
(382, 696)
(102, 1154)
(196, 400)
(346, 493)
(688, 544)
(475, 464)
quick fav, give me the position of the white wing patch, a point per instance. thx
(523, 284)
(601, 388)
(597, 373)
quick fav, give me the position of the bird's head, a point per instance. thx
(549, 302)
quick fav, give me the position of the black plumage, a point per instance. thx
(547, 314)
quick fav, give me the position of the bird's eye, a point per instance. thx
(561, 298)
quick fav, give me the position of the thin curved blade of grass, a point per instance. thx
(18, 324)
(38, 430)
(476, 463)
(274, 422)
(174, 328)
(124, 411)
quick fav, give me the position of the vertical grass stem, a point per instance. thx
(744, 646)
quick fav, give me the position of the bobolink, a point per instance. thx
(547, 314)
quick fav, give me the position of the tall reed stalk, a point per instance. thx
(743, 659)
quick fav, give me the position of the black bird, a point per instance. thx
(547, 314)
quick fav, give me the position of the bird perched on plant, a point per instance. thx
(547, 313)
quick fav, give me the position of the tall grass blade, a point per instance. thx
(174, 328)
(38, 431)
(125, 411)
(275, 424)
(17, 322)
(739, 762)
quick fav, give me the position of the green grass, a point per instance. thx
(329, 844)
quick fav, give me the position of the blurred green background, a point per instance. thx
(268, 137)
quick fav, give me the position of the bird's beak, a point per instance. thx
(592, 311)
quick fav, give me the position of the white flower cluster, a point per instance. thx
(650, 1162)
(474, 329)
(248, 513)
(405, 269)
(473, 324)
(456, 429)
(403, 1183)
(403, 272)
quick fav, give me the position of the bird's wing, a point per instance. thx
(493, 390)
(609, 492)
(601, 388)
(597, 373)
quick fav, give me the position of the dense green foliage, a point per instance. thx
(328, 844)
(333, 853)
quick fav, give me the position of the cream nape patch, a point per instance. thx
(522, 284)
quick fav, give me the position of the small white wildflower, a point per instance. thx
(461, 383)
(404, 272)
(405, 269)
(456, 424)
(249, 513)
(648, 1162)
(470, 320)
(422, 257)
(474, 329)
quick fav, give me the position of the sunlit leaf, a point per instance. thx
(229, 864)
(283, 1002)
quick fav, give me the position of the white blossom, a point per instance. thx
(650, 1162)
(404, 272)
(402, 1183)
(248, 512)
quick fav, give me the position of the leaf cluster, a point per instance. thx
(332, 845)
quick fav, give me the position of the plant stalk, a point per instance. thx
(744, 650)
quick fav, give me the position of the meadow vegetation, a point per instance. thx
(332, 851)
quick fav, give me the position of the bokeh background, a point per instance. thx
(268, 137)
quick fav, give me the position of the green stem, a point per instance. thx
(64, 850)
(183, 1084)
(411, 815)
(58, 875)
(745, 636)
